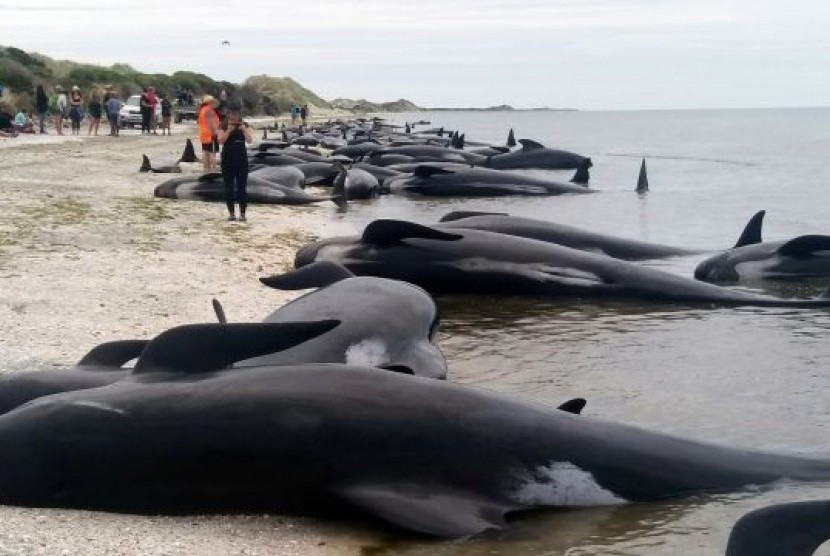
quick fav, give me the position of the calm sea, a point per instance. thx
(754, 378)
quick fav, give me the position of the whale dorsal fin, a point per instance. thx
(805, 246)
(511, 139)
(198, 348)
(529, 144)
(752, 231)
(113, 354)
(642, 179)
(440, 513)
(315, 275)
(145, 164)
(574, 406)
(384, 232)
(189, 154)
(428, 171)
(461, 214)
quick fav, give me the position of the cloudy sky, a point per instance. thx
(586, 54)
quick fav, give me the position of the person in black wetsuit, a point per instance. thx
(233, 135)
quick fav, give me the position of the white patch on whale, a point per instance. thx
(564, 484)
(370, 352)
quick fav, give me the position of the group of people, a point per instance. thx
(148, 102)
(298, 112)
(220, 123)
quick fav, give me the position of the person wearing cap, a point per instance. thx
(60, 109)
(208, 132)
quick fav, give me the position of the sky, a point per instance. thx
(583, 54)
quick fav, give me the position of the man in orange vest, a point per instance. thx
(208, 131)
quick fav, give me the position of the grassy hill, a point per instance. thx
(21, 72)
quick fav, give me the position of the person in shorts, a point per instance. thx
(113, 106)
(208, 132)
(166, 114)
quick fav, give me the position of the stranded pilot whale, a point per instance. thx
(801, 257)
(169, 166)
(536, 155)
(465, 261)
(793, 529)
(429, 456)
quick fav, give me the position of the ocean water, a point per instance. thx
(748, 377)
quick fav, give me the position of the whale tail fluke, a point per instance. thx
(752, 231)
(338, 191)
(189, 154)
(145, 164)
(642, 180)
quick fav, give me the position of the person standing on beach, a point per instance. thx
(152, 101)
(304, 113)
(41, 107)
(208, 132)
(234, 134)
(166, 114)
(295, 113)
(144, 105)
(113, 106)
(61, 107)
(76, 109)
(95, 111)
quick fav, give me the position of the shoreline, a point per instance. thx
(87, 255)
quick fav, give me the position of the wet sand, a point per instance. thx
(87, 254)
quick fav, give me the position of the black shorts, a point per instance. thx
(212, 147)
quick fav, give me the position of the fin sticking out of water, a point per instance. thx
(189, 154)
(461, 214)
(642, 179)
(803, 247)
(385, 232)
(529, 144)
(113, 354)
(198, 348)
(582, 175)
(427, 171)
(574, 406)
(440, 513)
(145, 164)
(511, 139)
(794, 529)
(752, 231)
(219, 311)
(315, 275)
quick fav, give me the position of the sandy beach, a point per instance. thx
(87, 254)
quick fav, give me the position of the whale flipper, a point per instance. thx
(197, 348)
(795, 529)
(113, 354)
(752, 230)
(574, 406)
(460, 214)
(805, 246)
(189, 154)
(442, 514)
(315, 275)
(145, 164)
(642, 179)
(384, 232)
(529, 144)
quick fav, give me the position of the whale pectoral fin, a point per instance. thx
(197, 348)
(805, 246)
(113, 354)
(529, 145)
(219, 311)
(443, 513)
(574, 406)
(565, 276)
(384, 232)
(461, 214)
(752, 231)
(315, 275)
(425, 171)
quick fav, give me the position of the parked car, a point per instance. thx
(130, 113)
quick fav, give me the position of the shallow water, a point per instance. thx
(748, 377)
